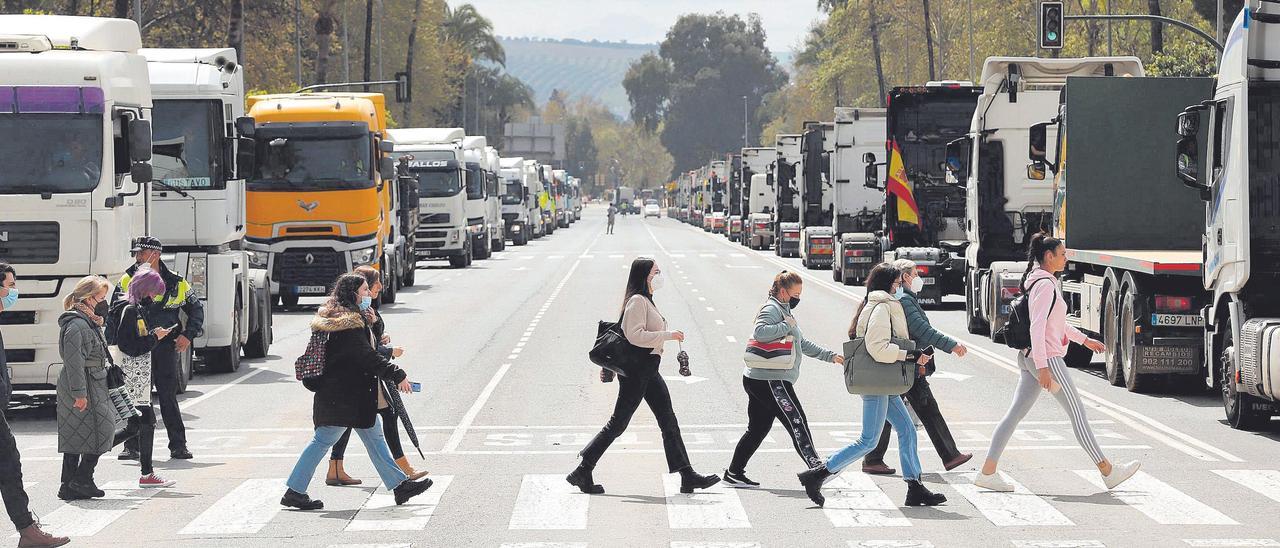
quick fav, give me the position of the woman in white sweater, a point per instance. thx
(646, 330)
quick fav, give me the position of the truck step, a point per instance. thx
(1265, 63)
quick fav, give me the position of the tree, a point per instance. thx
(1209, 10)
(413, 41)
(1185, 58)
(928, 40)
(324, 38)
(235, 29)
(647, 83)
(472, 33)
(1157, 28)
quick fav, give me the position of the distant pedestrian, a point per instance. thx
(646, 329)
(1042, 367)
(86, 417)
(771, 395)
(879, 320)
(177, 308)
(136, 337)
(390, 421)
(346, 394)
(613, 213)
(920, 397)
(12, 492)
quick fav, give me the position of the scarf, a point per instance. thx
(88, 311)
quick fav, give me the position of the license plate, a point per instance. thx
(928, 281)
(311, 289)
(1178, 320)
(858, 260)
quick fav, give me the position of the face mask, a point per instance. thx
(101, 309)
(794, 302)
(917, 284)
(658, 282)
(9, 300)
(899, 293)
(365, 302)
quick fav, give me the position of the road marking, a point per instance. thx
(1265, 482)
(1059, 544)
(547, 501)
(1021, 508)
(716, 507)
(707, 255)
(719, 322)
(245, 510)
(730, 338)
(86, 518)
(544, 545)
(710, 309)
(747, 267)
(380, 512)
(586, 256)
(693, 290)
(950, 375)
(1229, 542)
(689, 544)
(890, 544)
(677, 378)
(187, 404)
(1160, 501)
(394, 545)
(702, 298)
(854, 500)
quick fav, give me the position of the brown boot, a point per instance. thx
(408, 470)
(337, 476)
(33, 537)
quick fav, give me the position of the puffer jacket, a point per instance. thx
(347, 394)
(84, 375)
(882, 319)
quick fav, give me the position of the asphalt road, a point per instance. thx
(509, 398)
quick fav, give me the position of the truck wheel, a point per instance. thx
(976, 325)
(184, 370)
(1133, 381)
(1238, 405)
(485, 250)
(389, 287)
(226, 359)
(835, 274)
(260, 341)
(500, 244)
(1111, 337)
(289, 300)
(411, 276)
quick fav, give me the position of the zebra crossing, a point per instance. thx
(546, 503)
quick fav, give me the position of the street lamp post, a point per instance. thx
(745, 132)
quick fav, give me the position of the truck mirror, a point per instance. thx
(140, 172)
(1036, 147)
(386, 146)
(246, 126)
(868, 157)
(1189, 161)
(386, 168)
(1035, 171)
(1189, 122)
(140, 141)
(956, 165)
(246, 157)
(872, 177)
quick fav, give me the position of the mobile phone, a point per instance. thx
(415, 386)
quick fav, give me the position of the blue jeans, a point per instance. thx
(875, 409)
(324, 439)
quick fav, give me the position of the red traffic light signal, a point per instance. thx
(1051, 27)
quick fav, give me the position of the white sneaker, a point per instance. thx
(1120, 473)
(993, 482)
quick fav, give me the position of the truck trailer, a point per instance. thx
(786, 196)
(814, 182)
(757, 196)
(857, 219)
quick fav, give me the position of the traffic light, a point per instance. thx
(1051, 25)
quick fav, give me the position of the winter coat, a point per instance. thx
(922, 332)
(882, 320)
(84, 374)
(347, 394)
(6, 384)
(772, 325)
(134, 336)
(178, 306)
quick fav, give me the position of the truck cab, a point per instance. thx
(547, 199)
(816, 234)
(477, 189)
(516, 202)
(757, 197)
(436, 162)
(715, 210)
(564, 209)
(533, 182)
(856, 222)
(202, 150)
(786, 196)
(75, 135)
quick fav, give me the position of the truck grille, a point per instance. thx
(435, 218)
(432, 234)
(29, 242)
(293, 268)
(427, 245)
(510, 217)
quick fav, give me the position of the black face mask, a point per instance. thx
(794, 302)
(101, 309)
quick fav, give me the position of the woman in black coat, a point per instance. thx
(346, 394)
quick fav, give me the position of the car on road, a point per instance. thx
(651, 209)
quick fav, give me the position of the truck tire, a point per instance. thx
(389, 286)
(1111, 337)
(184, 370)
(259, 342)
(1239, 406)
(411, 275)
(485, 251)
(976, 325)
(289, 300)
(500, 244)
(226, 359)
(835, 274)
(1133, 381)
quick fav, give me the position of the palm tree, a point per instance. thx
(472, 33)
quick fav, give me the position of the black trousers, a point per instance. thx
(768, 401)
(390, 431)
(645, 385)
(164, 373)
(78, 466)
(921, 399)
(16, 503)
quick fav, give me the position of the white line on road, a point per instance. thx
(1059, 544)
(1229, 542)
(890, 544)
(1020, 508)
(88, 518)
(1265, 482)
(854, 500)
(730, 338)
(243, 511)
(186, 404)
(544, 545)
(1160, 501)
(699, 544)
(547, 501)
(716, 507)
(380, 512)
(719, 322)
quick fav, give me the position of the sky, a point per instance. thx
(639, 21)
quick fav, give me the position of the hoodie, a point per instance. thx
(1050, 333)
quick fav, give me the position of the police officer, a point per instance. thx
(166, 310)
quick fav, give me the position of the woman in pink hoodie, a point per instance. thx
(1043, 367)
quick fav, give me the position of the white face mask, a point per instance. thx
(917, 284)
(657, 282)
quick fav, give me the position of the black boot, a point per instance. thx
(301, 501)
(812, 480)
(409, 489)
(65, 493)
(690, 480)
(580, 477)
(919, 495)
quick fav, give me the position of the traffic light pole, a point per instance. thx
(1158, 18)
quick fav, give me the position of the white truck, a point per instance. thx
(786, 196)
(814, 183)
(533, 179)
(518, 206)
(564, 209)
(493, 198)
(75, 136)
(438, 165)
(1236, 178)
(198, 197)
(857, 208)
(1004, 207)
(477, 189)
(757, 197)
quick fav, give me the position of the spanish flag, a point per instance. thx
(900, 186)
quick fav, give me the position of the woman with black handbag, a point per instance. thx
(879, 320)
(136, 337)
(646, 331)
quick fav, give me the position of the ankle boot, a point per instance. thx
(812, 480)
(919, 495)
(690, 480)
(580, 477)
(301, 501)
(409, 489)
(338, 476)
(403, 463)
(33, 537)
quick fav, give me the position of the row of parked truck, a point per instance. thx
(105, 141)
(1179, 283)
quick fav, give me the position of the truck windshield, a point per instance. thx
(186, 144)
(54, 152)
(293, 163)
(514, 194)
(438, 183)
(923, 124)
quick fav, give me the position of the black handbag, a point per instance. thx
(611, 350)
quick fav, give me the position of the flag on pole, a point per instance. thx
(900, 186)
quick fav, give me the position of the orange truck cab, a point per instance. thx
(319, 201)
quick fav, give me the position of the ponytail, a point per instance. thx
(86, 287)
(1041, 244)
(784, 280)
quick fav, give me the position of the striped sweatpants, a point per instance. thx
(1028, 389)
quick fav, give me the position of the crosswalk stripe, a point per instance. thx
(380, 512)
(544, 545)
(854, 500)
(1017, 509)
(1265, 482)
(85, 518)
(1229, 542)
(1160, 501)
(547, 501)
(1059, 544)
(890, 544)
(698, 544)
(716, 507)
(245, 510)
(393, 545)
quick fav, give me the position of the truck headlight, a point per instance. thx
(257, 259)
(364, 255)
(197, 275)
(454, 235)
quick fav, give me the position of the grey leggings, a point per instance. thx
(1028, 389)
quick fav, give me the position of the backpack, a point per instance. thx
(1016, 332)
(310, 365)
(115, 313)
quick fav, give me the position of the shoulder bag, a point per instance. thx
(865, 376)
(611, 349)
(776, 355)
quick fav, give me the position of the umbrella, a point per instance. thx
(397, 404)
(683, 358)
